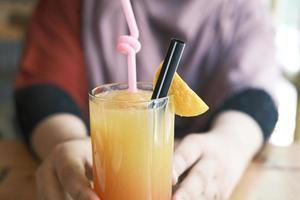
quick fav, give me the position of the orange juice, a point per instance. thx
(132, 143)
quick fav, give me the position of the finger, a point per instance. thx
(88, 159)
(48, 186)
(202, 181)
(212, 190)
(89, 170)
(74, 181)
(191, 188)
(70, 167)
(208, 166)
(213, 195)
(185, 155)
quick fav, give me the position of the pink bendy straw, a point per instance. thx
(129, 45)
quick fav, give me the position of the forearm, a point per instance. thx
(56, 129)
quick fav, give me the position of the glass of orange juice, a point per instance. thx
(132, 140)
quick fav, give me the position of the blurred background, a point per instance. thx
(14, 16)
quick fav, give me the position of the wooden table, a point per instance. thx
(274, 175)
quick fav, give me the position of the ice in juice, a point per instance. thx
(132, 145)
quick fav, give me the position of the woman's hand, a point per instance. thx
(66, 171)
(201, 161)
(211, 164)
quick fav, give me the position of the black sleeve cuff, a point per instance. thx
(36, 102)
(258, 104)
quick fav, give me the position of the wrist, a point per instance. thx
(238, 132)
(56, 129)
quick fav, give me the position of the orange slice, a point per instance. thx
(187, 102)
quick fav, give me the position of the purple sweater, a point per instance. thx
(230, 49)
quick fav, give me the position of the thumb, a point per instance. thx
(70, 163)
(74, 181)
(185, 155)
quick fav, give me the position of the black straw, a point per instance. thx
(168, 69)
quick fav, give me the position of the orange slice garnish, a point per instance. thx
(187, 102)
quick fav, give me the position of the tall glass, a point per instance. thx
(132, 144)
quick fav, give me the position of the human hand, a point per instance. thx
(66, 171)
(213, 166)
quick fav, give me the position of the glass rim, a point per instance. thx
(110, 85)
